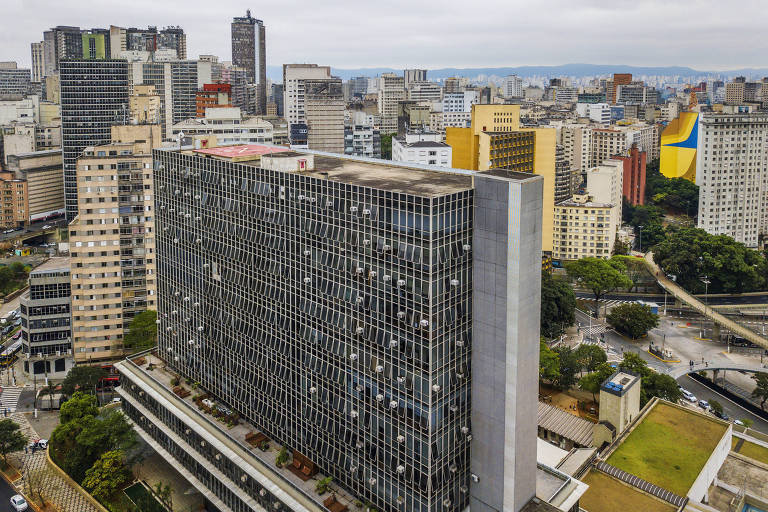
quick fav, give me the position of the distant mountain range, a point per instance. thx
(275, 73)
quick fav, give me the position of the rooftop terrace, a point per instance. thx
(608, 494)
(669, 447)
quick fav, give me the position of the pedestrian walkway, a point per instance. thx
(9, 399)
(592, 333)
(57, 489)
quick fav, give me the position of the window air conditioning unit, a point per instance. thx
(379, 369)
(379, 397)
(401, 438)
(386, 247)
(353, 413)
(353, 209)
(436, 388)
(359, 330)
(366, 211)
(307, 280)
(387, 278)
(459, 343)
(307, 252)
(353, 357)
(465, 430)
(191, 342)
(393, 404)
(454, 282)
(401, 282)
(313, 390)
(400, 468)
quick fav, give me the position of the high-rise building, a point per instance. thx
(237, 79)
(362, 140)
(513, 87)
(414, 75)
(375, 365)
(634, 175)
(46, 331)
(278, 98)
(732, 175)
(94, 97)
(424, 148)
(294, 91)
(41, 171)
(148, 40)
(425, 91)
(618, 79)
(358, 86)
(324, 110)
(460, 101)
(38, 61)
(249, 52)
(14, 81)
(145, 104)
(59, 43)
(391, 93)
(112, 241)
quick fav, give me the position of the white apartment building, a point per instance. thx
(18, 109)
(460, 101)
(732, 174)
(227, 124)
(513, 87)
(422, 148)
(391, 93)
(605, 184)
(425, 91)
(456, 119)
(294, 76)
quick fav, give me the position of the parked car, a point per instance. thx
(19, 503)
(47, 226)
(116, 400)
(688, 395)
(738, 422)
(704, 404)
(721, 415)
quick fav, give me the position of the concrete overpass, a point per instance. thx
(683, 296)
(682, 369)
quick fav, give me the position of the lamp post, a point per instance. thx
(640, 244)
(706, 282)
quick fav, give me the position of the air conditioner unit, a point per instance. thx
(386, 247)
(313, 390)
(200, 328)
(401, 282)
(393, 404)
(359, 270)
(387, 278)
(307, 280)
(198, 240)
(379, 397)
(187, 216)
(366, 243)
(372, 481)
(301, 197)
(401, 438)
(175, 240)
(175, 358)
(372, 274)
(424, 323)
(353, 209)
(454, 282)
(359, 330)
(353, 357)
(186, 299)
(459, 343)
(353, 413)
(58, 353)
(475, 478)
(157, 322)
(400, 468)
(196, 304)
(465, 430)
(366, 211)
(436, 388)
(379, 369)
(307, 252)
(329, 203)
(191, 342)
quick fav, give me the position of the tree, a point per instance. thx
(716, 406)
(107, 475)
(11, 439)
(635, 269)
(633, 363)
(142, 331)
(676, 195)
(19, 270)
(79, 406)
(592, 381)
(558, 305)
(620, 248)
(386, 145)
(660, 385)
(569, 366)
(747, 422)
(731, 267)
(82, 378)
(6, 276)
(590, 357)
(651, 235)
(598, 275)
(164, 493)
(633, 320)
(549, 364)
(39, 483)
(761, 388)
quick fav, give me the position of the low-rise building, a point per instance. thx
(582, 228)
(46, 321)
(421, 148)
(41, 171)
(362, 140)
(228, 126)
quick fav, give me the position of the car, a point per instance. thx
(19, 503)
(704, 404)
(8, 231)
(116, 400)
(47, 226)
(738, 422)
(42, 443)
(688, 396)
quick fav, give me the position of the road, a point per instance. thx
(6, 492)
(730, 408)
(659, 298)
(33, 228)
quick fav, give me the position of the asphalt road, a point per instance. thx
(730, 408)
(659, 298)
(33, 228)
(6, 492)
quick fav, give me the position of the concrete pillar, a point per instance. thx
(715, 331)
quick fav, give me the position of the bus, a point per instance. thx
(9, 355)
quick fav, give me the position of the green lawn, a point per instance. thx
(143, 499)
(606, 494)
(751, 450)
(669, 447)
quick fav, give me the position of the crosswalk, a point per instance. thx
(9, 399)
(609, 303)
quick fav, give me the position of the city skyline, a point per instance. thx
(708, 37)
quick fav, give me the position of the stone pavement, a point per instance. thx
(58, 490)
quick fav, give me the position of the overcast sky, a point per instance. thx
(703, 34)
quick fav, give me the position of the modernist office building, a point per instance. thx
(247, 33)
(94, 96)
(377, 319)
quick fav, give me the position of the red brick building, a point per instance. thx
(211, 96)
(634, 175)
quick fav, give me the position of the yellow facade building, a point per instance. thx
(496, 140)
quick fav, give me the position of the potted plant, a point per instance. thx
(264, 446)
(282, 457)
(322, 485)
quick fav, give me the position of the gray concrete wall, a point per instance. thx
(505, 341)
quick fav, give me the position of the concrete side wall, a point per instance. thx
(698, 491)
(506, 298)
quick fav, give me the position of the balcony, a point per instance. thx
(298, 478)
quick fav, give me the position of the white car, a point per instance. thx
(19, 503)
(688, 395)
(116, 400)
(47, 226)
(738, 422)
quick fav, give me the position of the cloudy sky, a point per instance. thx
(703, 34)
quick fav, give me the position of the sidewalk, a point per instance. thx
(65, 497)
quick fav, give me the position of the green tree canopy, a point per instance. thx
(675, 195)
(598, 275)
(142, 331)
(558, 305)
(11, 438)
(386, 145)
(633, 320)
(761, 388)
(592, 381)
(108, 474)
(635, 269)
(652, 384)
(569, 367)
(716, 406)
(731, 267)
(633, 363)
(590, 357)
(78, 406)
(82, 378)
(549, 364)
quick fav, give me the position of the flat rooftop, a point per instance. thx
(669, 447)
(55, 263)
(381, 174)
(619, 383)
(607, 494)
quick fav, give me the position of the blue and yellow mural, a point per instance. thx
(679, 142)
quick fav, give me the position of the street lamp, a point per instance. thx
(706, 282)
(640, 244)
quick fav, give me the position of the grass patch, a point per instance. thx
(669, 447)
(143, 499)
(606, 494)
(751, 450)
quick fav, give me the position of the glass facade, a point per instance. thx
(334, 316)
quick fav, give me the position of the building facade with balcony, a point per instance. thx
(344, 309)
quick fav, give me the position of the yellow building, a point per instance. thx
(145, 105)
(496, 140)
(679, 143)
